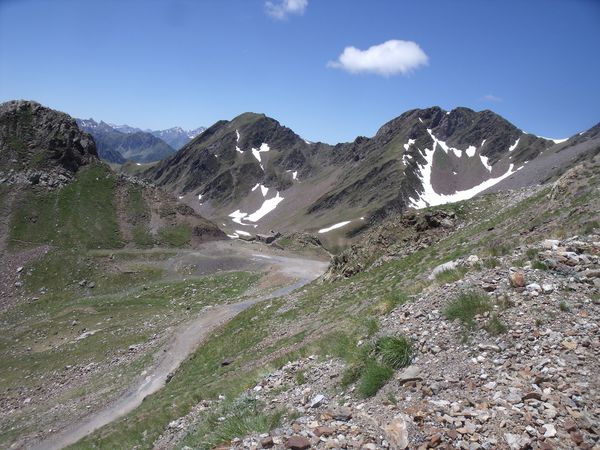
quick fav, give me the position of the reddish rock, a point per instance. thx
(435, 440)
(452, 434)
(576, 437)
(324, 431)
(297, 443)
(517, 279)
(570, 426)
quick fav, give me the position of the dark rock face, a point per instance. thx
(36, 138)
(224, 167)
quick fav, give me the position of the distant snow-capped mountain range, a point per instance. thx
(119, 143)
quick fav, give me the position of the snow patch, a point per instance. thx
(294, 175)
(333, 227)
(256, 186)
(243, 233)
(444, 146)
(408, 144)
(484, 161)
(237, 216)
(556, 141)
(237, 135)
(471, 151)
(512, 147)
(264, 190)
(267, 206)
(431, 198)
(180, 197)
(256, 152)
(483, 142)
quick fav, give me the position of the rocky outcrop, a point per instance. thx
(37, 142)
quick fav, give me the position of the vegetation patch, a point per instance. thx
(466, 306)
(230, 420)
(451, 275)
(390, 301)
(373, 377)
(176, 235)
(394, 351)
(81, 215)
(495, 326)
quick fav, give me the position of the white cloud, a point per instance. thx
(281, 9)
(390, 58)
(491, 98)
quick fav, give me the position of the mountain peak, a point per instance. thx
(35, 137)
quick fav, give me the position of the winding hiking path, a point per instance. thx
(184, 342)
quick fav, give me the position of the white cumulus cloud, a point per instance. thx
(281, 9)
(390, 58)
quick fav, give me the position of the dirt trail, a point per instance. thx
(186, 340)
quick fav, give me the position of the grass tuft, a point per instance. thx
(394, 352)
(373, 378)
(391, 301)
(466, 306)
(231, 420)
(451, 275)
(495, 326)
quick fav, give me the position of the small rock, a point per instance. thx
(547, 288)
(435, 440)
(317, 401)
(517, 279)
(472, 260)
(267, 442)
(411, 373)
(396, 433)
(576, 437)
(532, 396)
(297, 443)
(550, 430)
(324, 431)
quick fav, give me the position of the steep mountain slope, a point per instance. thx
(254, 175)
(554, 162)
(117, 147)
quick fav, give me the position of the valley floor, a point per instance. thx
(190, 293)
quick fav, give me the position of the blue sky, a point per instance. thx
(157, 64)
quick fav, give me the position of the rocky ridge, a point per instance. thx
(423, 157)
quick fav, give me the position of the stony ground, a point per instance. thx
(531, 382)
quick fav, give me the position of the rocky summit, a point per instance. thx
(40, 145)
